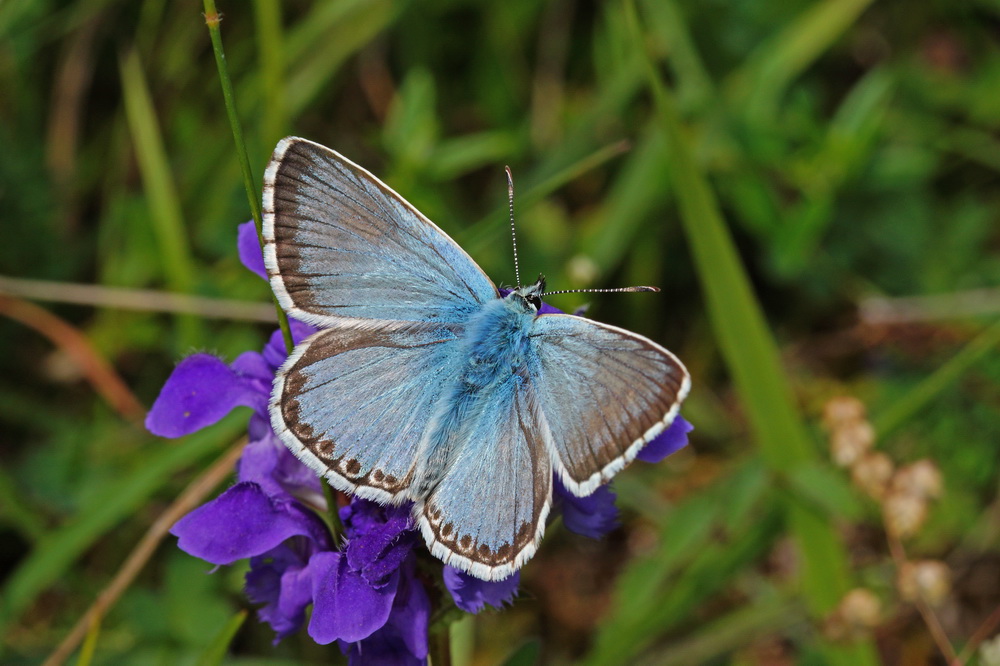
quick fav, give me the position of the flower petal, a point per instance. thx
(253, 364)
(380, 539)
(380, 650)
(411, 612)
(242, 522)
(269, 463)
(472, 594)
(592, 516)
(200, 391)
(280, 580)
(275, 351)
(345, 606)
(248, 245)
(671, 440)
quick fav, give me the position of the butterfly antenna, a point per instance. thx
(617, 290)
(513, 236)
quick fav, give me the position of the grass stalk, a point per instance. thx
(751, 355)
(212, 20)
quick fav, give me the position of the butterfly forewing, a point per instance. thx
(604, 393)
(339, 244)
(353, 403)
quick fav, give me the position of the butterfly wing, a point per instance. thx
(353, 403)
(487, 514)
(604, 393)
(341, 245)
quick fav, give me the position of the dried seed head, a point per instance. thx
(861, 608)
(904, 514)
(928, 580)
(851, 440)
(856, 614)
(842, 409)
(872, 474)
(989, 652)
(921, 479)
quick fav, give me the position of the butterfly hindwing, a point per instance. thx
(487, 514)
(340, 244)
(353, 403)
(604, 393)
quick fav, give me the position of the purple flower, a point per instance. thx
(593, 516)
(368, 597)
(248, 246)
(403, 638)
(671, 440)
(472, 594)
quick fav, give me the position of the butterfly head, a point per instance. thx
(531, 294)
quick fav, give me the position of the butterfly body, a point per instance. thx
(493, 351)
(426, 385)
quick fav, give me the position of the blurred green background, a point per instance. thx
(813, 185)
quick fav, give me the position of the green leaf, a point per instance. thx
(57, 550)
(827, 489)
(527, 654)
(751, 355)
(164, 204)
(216, 651)
(758, 85)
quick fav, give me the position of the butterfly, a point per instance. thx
(424, 384)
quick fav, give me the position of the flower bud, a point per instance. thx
(927, 580)
(920, 479)
(872, 474)
(989, 652)
(857, 613)
(841, 410)
(851, 440)
(904, 514)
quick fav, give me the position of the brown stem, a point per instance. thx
(440, 647)
(98, 372)
(926, 612)
(185, 502)
(978, 636)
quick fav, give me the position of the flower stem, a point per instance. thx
(937, 631)
(333, 513)
(212, 20)
(440, 646)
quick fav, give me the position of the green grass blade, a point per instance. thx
(86, 656)
(929, 388)
(478, 237)
(270, 43)
(216, 651)
(751, 355)
(733, 631)
(17, 511)
(760, 83)
(667, 22)
(160, 188)
(655, 592)
(212, 20)
(322, 50)
(56, 551)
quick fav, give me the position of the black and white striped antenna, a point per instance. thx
(513, 235)
(517, 270)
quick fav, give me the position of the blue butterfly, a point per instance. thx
(426, 385)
